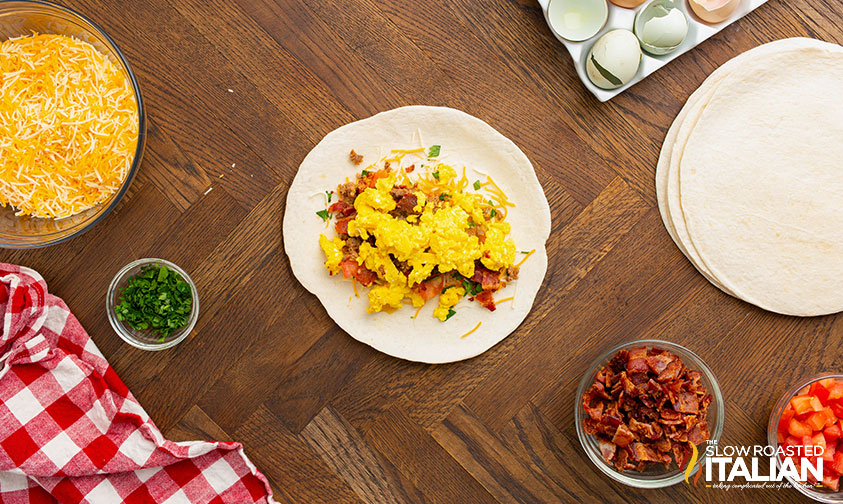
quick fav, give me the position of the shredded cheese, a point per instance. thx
(471, 331)
(525, 258)
(68, 126)
(504, 300)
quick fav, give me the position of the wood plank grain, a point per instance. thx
(343, 449)
(307, 385)
(278, 357)
(296, 472)
(423, 461)
(483, 455)
(170, 170)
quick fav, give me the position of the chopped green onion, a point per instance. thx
(436, 174)
(443, 197)
(329, 193)
(364, 172)
(477, 185)
(326, 216)
(434, 150)
(451, 313)
(157, 299)
(493, 213)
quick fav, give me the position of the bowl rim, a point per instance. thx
(697, 364)
(118, 326)
(772, 440)
(118, 196)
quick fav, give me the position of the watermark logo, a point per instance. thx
(755, 465)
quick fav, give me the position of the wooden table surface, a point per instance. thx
(238, 92)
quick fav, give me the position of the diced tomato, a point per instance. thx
(833, 432)
(798, 429)
(805, 404)
(431, 288)
(835, 391)
(350, 269)
(818, 440)
(837, 464)
(820, 419)
(372, 178)
(831, 482)
(828, 454)
(830, 450)
(781, 436)
(785, 419)
(819, 391)
(793, 441)
(837, 407)
(365, 276)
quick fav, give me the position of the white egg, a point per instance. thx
(614, 59)
(666, 29)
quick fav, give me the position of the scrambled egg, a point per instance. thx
(333, 251)
(447, 300)
(439, 237)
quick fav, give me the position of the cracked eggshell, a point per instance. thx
(614, 59)
(629, 4)
(660, 27)
(714, 11)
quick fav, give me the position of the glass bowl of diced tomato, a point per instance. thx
(811, 414)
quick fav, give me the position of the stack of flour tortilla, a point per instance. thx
(750, 177)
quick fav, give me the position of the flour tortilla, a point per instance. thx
(667, 176)
(466, 141)
(757, 171)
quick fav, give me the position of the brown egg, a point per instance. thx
(714, 11)
(627, 3)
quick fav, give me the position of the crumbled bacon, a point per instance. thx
(488, 279)
(355, 157)
(646, 407)
(486, 299)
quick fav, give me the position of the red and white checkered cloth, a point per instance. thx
(70, 430)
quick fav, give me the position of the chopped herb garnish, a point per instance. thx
(477, 185)
(326, 215)
(364, 173)
(451, 313)
(471, 224)
(472, 288)
(443, 197)
(525, 251)
(156, 299)
(493, 213)
(329, 193)
(436, 174)
(434, 150)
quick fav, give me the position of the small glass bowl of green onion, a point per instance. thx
(152, 304)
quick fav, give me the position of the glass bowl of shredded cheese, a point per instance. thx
(72, 124)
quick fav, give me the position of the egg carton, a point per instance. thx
(620, 17)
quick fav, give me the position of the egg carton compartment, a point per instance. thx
(621, 17)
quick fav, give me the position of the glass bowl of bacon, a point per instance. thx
(645, 410)
(73, 128)
(806, 425)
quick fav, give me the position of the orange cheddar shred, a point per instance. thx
(68, 126)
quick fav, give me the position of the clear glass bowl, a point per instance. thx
(817, 494)
(23, 17)
(656, 476)
(147, 340)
